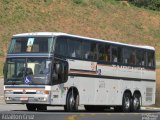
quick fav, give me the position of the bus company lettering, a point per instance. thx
(127, 67)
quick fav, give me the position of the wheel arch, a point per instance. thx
(127, 91)
(137, 92)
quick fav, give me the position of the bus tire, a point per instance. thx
(72, 102)
(135, 103)
(31, 107)
(126, 102)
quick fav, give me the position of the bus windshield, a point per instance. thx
(31, 71)
(31, 45)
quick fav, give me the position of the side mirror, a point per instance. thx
(58, 68)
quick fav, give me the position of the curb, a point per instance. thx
(150, 108)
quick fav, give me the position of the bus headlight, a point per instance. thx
(8, 98)
(8, 92)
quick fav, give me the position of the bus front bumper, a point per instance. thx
(27, 98)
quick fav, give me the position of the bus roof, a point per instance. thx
(94, 39)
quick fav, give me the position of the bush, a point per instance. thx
(154, 5)
(150, 4)
(78, 1)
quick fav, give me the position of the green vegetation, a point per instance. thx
(104, 19)
(150, 4)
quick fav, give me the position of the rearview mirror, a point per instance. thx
(58, 68)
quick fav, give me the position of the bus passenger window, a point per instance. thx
(114, 54)
(107, 53)
(89, 50)
(150, 57)
(126, 56)
(141, 58)
(132, 59)
(101, 51)
(61, 46)
(93, 51)
(74, 46)
(86, 50)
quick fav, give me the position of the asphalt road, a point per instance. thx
(19, 112)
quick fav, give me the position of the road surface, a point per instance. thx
(19, 112)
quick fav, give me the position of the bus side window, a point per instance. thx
(114, 55)
(107, 53)
(141, 58)
(93, 51)
(74, 48)
(89, 50)
(86, 50)
(132, 58)
(101, 51)
(150, 59)
(126, 56)
(61, 46)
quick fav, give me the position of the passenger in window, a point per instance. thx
(73, 53)
(87, 55)
(115, 59)
(133, 58)
(126, 61)
(107, 57)
(150, 63)
(78, 52)
(142, 63)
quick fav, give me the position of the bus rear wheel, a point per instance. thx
(72, 102)
(135, 103)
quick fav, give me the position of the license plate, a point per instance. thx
(24, 98)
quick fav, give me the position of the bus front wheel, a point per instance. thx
(72, 102)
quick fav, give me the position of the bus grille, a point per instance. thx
(149, 93)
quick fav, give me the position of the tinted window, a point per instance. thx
(89, 50)
(61, 47)
(104, 52)
(116, 54)
(129, 56)
(74, 48)
(31, 45)
(150, 59)
(141, 58)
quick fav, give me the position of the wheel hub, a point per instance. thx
(127, 103)
(136, 103)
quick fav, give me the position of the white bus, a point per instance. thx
(58, 69)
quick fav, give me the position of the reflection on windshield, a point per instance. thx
(28, 71)
(31, 45)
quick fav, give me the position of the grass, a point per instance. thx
(104, 19)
